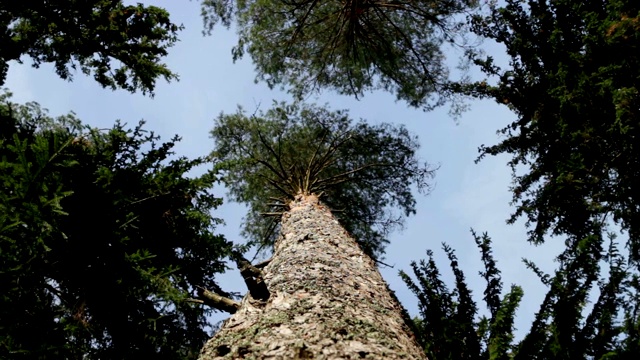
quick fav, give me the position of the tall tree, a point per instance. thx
(351, 46)
(103, 240)
(573, 81)
(120, 45)
(322, 296)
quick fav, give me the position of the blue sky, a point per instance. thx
(465, 196)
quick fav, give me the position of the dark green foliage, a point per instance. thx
(361, 171)
(569, 325)
(351, 46)
(120, 45)
(102, 239)
(448, 328)
(573, 82)
(560, 329)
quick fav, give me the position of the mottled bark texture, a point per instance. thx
(327, 300)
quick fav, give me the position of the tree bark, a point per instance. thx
(327, 300)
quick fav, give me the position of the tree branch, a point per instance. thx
(276, 185)
(270, 149)
(252, 277)
(271, 213)
(342, 177)
(216, 301)
(262, 264)
(276, 204)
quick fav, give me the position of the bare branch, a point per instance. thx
(301, 25)
(195, 301)
(270, 167)
(216, 301)
(342, 177)
(308, 174)
(271, 213)
(277, 157)
(277, 204)
(252, 277)
(277, 186)
(262, 264)
(335, 144)
(381, 263)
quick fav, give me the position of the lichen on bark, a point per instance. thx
(327, 300)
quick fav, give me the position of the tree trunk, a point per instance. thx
(328, 300)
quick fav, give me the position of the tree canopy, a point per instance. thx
(103, 239)
(361, 171)
(570, 80)
(349, 46)
(121, 46)
(573, 82)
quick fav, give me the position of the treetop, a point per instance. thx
(361, 171)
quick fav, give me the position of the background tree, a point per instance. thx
(120, 45)
(571, 322)
(573, 83)
(448, 326)
(319, 295)
(351, 46)
(360, 171)
(103, 238)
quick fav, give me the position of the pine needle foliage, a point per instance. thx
(361, 171)
(103, 237)
(121, 46)
(569, 324)
(351, 46)
(448, 326)
(573, 82)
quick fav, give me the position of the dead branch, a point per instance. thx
(262, 264)
(277, 204)
(381, 263)
(266, 214)
(195, 301)
(216, 301)
(253, 278)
